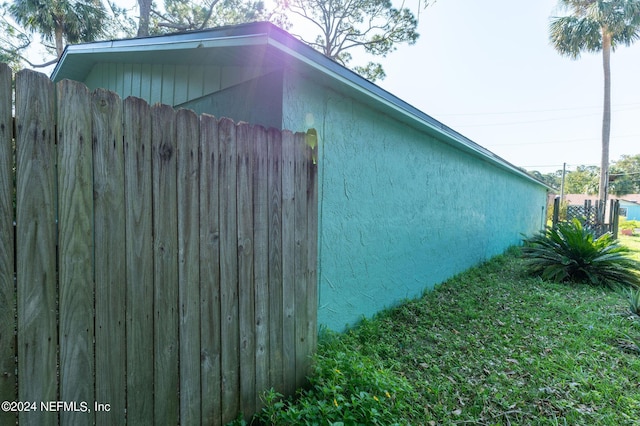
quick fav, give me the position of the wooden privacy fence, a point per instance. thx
(163, 265)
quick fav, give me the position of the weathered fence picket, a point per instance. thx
(7, 289)
(36, 244)
(165, 263)
(139, 258)
(75, 245)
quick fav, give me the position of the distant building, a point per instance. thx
(629, 204)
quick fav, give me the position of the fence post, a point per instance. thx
(615, 217)
(556, 211)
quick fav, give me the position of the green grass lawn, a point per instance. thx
(494, 346)
(633, 242)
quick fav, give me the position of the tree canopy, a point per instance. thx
(56, 23)
(61, 20)
(342, 26)
(188, 15)
(624, 177)
(339, 27)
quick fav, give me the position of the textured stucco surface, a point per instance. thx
(400, 211)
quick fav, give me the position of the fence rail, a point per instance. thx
(163, 265)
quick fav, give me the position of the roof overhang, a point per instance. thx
(264, 42)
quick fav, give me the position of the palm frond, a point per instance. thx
(581, 30)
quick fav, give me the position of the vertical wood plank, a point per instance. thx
(187, 127)
(75, 248)
(168, 83)
(8, 383)
(165, 224)
(155, 84)
(139, 257)
(229, 271)
(261, 259)
(301, 273)
(36, 244)
(181, 91)
(312, 244)
(288, 261)
(210, 272)
(274, 192)
(245, 269)
(110, 259)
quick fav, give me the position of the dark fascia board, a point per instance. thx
(77, 61)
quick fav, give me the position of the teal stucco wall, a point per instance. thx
(400, 211)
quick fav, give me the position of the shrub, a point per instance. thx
(345, 388)
(569, 252)
(629, 224)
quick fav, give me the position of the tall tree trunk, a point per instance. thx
(145, 15)
(606, 116)
(58, 34)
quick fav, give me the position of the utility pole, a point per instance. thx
(564, 172)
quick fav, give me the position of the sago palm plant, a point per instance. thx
(633, 296)
(569, 252)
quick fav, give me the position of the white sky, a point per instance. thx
(486, 69)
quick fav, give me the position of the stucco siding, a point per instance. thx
(400, 211)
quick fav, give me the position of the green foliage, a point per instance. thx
(633, 297)
(581, 30)
(189, 15)
(346, 387)
(629, 224)
(569, 252)
(625, 175)
(76, 21)
(584, 180)
(562, 216)
(374, 26)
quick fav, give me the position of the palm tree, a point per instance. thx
(72, 21)
(594, 26)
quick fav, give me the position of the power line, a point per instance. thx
(560, 165)
(561, 141)
(542, 120)
(634, 105)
